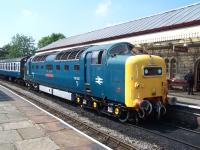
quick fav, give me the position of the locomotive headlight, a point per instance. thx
(159, 71)
(146, 71)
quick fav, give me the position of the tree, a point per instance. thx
(50, 39)
(20, 46)
(4, 50)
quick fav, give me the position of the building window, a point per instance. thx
(66, 67)
(37, 66)
(42, 67)
(57, 67)
(173, 69)
(76, 67)
(167, 67)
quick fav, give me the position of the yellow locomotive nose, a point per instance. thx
(145, 79)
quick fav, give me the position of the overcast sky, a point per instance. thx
(39, 18)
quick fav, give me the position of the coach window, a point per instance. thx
(32, 66)
(77, 67)
(14, 66)
(37, 66)
(18, 66)
(66, 67)
(97, 57)
(57, 67)
(42, 67)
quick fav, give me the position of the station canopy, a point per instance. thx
(188, 16)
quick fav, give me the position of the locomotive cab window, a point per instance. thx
(121, 49)
(97, 57)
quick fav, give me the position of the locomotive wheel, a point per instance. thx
(124, 116)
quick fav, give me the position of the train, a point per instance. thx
(115, 79)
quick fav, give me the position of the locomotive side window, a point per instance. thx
(66, 67)
(97, 57)
(57, 67)
(49, 67)
(76, 67)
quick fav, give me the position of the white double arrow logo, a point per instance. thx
(98, 80)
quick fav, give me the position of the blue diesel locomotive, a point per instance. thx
(114, 79)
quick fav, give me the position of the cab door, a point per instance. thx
(95, 71)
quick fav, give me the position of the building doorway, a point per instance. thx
(197, 75)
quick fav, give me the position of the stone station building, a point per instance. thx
(174, 35)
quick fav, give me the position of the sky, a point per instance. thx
(39, 18)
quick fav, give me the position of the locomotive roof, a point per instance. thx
(178, 18)
(73, 53)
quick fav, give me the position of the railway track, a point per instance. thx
(112, 141)
(174, 139)
(102, 137)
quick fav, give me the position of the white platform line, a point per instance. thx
(186, 105)
(62, 121)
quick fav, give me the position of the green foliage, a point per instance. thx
(20, 46)
(4, 51)
(50, 39)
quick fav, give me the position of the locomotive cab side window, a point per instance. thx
(121, 49)
(97, 57)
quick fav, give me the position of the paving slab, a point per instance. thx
(31, 133)
(6, 146)
(17, 125)
(10, 136)
(43, 143)
(30, 111)
(68, 138)
(53, 126)
(42, 119)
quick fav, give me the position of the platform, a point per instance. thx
(25, 127)
(186, 99)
